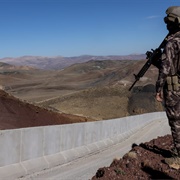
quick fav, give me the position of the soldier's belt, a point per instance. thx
(172, 82)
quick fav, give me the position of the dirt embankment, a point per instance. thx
(18, 114)
(144, 161)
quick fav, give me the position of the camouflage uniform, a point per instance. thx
(170, 65)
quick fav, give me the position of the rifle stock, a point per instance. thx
(152, 57)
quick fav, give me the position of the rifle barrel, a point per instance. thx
(133, 85)
(147, 64)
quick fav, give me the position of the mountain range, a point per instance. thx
(59, 62)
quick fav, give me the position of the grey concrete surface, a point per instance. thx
(29, 150)
(86, 167)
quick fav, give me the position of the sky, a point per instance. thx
(81, 27)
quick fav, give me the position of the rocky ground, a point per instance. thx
(143, 161)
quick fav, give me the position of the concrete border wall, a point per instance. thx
(28, 150)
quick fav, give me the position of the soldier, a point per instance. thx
(168, 83)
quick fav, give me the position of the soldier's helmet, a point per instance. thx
(173, 15)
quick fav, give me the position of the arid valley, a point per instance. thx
(96, 89)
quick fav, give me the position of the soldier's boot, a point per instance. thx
(173, 162)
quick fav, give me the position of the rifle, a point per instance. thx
(152, 58)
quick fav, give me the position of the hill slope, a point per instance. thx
(107, 102)
(96, 89)
(18, 114)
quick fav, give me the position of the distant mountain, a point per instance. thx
(5, 65)
(10, 67)
(60, 62)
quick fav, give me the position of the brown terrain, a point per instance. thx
(19, 114)
(88, 91)
(143, 161)
(95, 89)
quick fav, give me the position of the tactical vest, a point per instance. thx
(174, 78)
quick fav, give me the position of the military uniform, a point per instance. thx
(170, 68)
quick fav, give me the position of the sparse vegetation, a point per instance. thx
(96, 89)
(119, 171)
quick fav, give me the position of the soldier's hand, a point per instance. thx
(159, 97)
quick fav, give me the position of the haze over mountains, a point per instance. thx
(60, 62)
